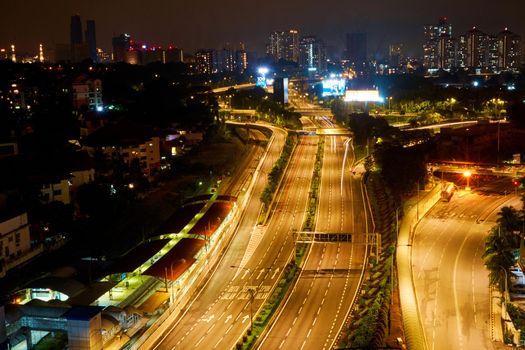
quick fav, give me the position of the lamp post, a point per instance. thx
(506, 283)
(467, 174)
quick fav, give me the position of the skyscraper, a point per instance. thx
(433, 33)
(75, 30)
(91, 40)
(356, 49)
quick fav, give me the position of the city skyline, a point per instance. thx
(200, 26)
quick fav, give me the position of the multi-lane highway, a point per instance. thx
(450, 280)
(317, 307)
(220, 313)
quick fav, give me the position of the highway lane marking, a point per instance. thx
(229, 329)
(456, 302)
(259, 275)
(245, 318)
(228, 318)
(288, 333)
(275, 273)
(199, 342)
(294, 320)
(217, 343)
(315, 320)
(282, 343)
(245, 273)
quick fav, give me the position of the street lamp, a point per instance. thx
(467, 174)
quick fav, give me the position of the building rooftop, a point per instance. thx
(82, 313)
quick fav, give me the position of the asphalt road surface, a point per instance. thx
(220, 313)
(319, 302)
(450, 279)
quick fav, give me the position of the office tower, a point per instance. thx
(509, 51)
(284, 45)
(312, 54)
(356, 49)
(91, 40)
(121, 44)
(75, 30)
(476, 49)
(433, 33)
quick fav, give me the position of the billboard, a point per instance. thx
(334, 87)
(363, 96)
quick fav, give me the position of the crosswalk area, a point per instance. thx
(245, 292)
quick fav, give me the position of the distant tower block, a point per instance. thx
(13, 53)
(40, 53)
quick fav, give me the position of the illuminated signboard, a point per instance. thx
(334, 87)
(363, 96)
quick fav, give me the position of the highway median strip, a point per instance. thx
(313, 197)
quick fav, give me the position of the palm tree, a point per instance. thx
(509, 219)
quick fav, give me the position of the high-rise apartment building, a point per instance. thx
(284, 45)
(312, 54)
(356, 49)
(446, 49)
(477, 52)
(461, 49)
(509, 51)
(433, 34)
(204, 61)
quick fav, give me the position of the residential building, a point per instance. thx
(87, 93)
(446, 52)
(204, 61)
(476, 49)
(313, 55)
(133, 144)
(284, 45)
(56, 190)
(433, 33)
(509, 51)
(15, 242)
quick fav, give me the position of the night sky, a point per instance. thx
(198, 24)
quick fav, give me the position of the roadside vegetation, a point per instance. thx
(268, 309)
(276, 174)
(313, 197)
(371, 314)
